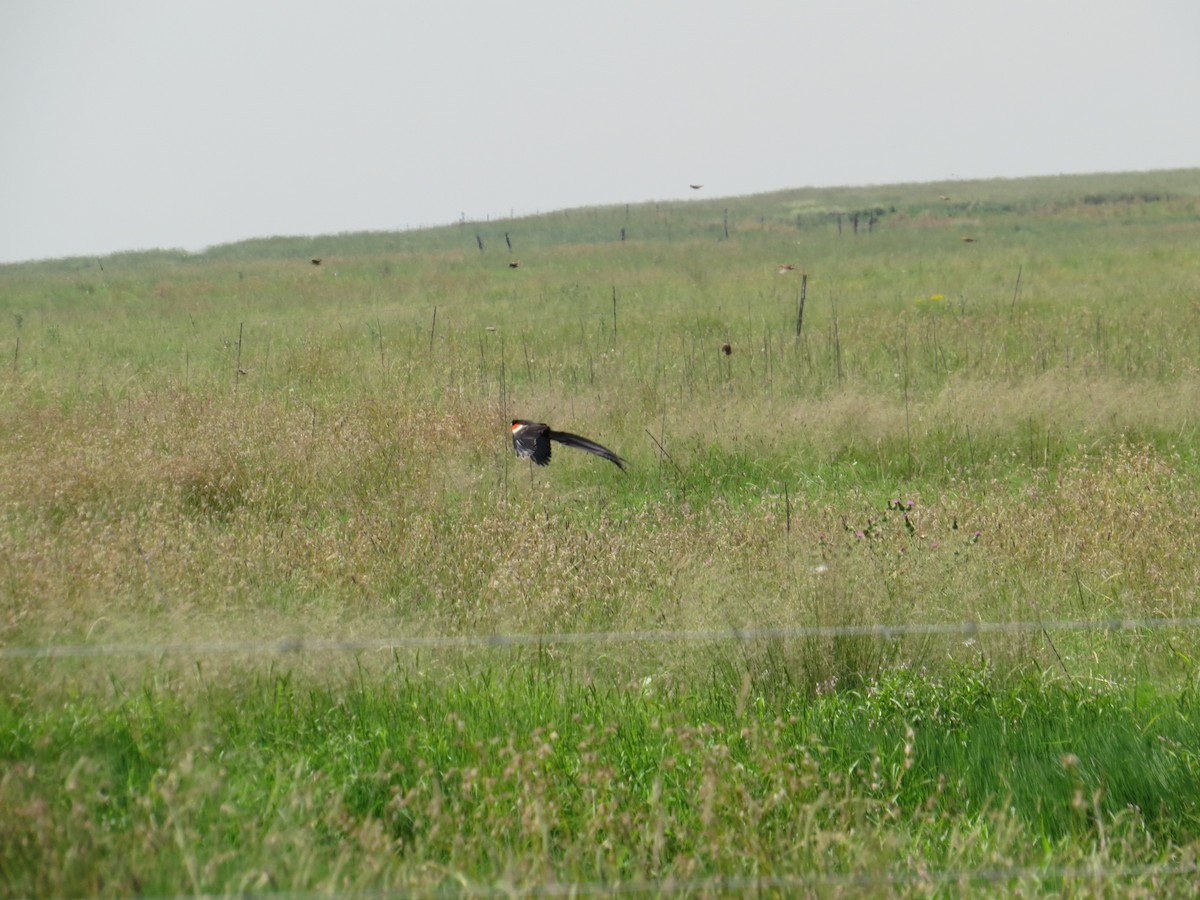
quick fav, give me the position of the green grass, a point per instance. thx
(240, 446)
(266, 780)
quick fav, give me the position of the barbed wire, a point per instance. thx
(300, 645)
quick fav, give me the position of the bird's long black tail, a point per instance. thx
(582, 443)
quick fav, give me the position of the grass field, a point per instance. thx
(212, 458)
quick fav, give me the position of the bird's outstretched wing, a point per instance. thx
(582, 443)
(531, 440)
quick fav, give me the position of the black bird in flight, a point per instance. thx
(532, 440)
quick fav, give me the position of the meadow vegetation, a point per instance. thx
(240, 446)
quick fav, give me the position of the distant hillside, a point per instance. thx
(715, 217)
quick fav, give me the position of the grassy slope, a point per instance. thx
(275, 781)
(356, 480)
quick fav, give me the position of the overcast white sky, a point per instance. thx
(134, 124)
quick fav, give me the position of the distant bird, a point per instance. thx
(695, 187)
(515, 264)
(531, 440)
(316, 260)
(943, 196)
(967, 240)
(784, 268)
(726, 349)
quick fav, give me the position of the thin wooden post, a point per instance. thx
(614, 298)
(800, 305)
(237, 371)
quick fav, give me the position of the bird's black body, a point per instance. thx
(532, 440)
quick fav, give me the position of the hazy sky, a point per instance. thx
(132, 124)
